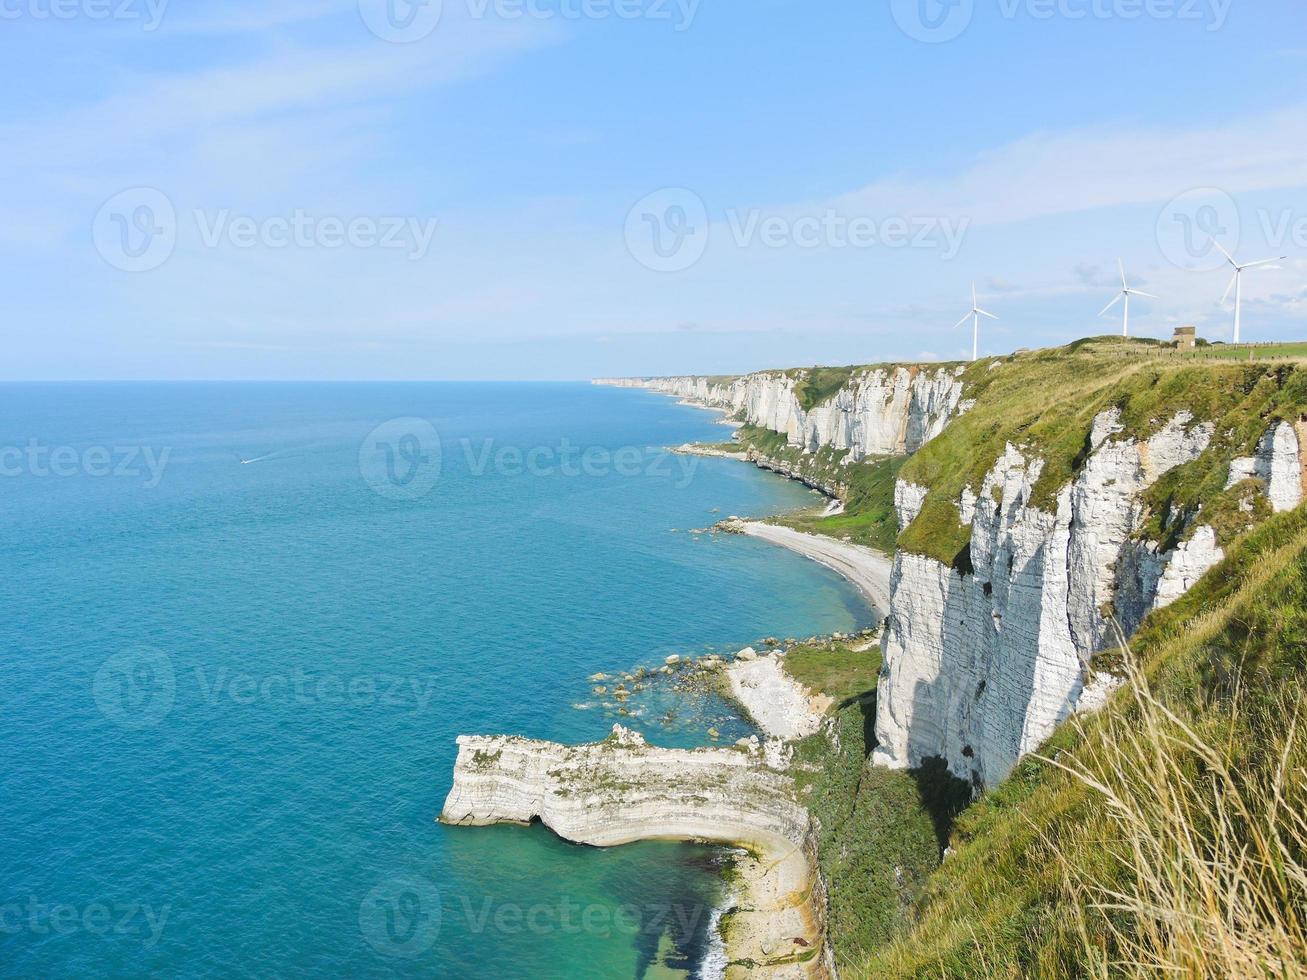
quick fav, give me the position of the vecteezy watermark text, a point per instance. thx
(149, 13)
(831, 229)
(937, 21)
(407, 21)
(302, 686)
(129, 462)
(131, 919)
(571, 461)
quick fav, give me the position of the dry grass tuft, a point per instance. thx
(1206, 845)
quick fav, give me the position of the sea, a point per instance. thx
(243, 624)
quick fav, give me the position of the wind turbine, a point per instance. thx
(975, 313)
(1237, 282)
(1125, 293)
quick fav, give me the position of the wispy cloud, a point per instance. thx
(1084, 169)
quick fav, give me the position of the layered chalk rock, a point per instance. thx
(879, 412)
(622, 790)
(980, 667)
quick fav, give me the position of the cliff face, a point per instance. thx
(876, 412)
(981, 664)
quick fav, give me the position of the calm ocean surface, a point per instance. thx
(230, 690)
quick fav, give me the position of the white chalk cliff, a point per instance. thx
(881, 411)
(982, 664)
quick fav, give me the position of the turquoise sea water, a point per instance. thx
(230, 690)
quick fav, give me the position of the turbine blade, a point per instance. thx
(962, 321)
(1121, 265)
(983, 313)
(1119, 296)
(973, 294)
(1225, 253)
(1233, 280)
(1254, 265)
(1140, 292)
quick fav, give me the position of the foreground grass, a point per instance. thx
(1164, 836)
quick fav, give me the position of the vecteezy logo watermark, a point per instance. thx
(831, 229)
(135, 688)
(667, 231)
(148, 12)
(932, 21)
(401, 917)
(1191, 224)
(137, 230)
(401, 21)
(131, 462)
(400, 459)
(134, 919)
(301, 686)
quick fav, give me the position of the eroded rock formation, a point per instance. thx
(622, 790)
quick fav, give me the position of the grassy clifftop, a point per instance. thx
(1045, 402)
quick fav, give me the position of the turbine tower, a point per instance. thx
(975, 313)
(1237, 282)
(1125, 293)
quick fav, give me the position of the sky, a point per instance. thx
(565, 189)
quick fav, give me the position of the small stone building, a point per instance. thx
(1186, 338)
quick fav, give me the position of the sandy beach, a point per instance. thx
(867, 569)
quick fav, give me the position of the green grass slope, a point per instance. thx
(1149, 858)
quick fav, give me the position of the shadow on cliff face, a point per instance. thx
(943, 795)
(867, 706)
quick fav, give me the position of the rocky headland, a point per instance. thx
(623, 790)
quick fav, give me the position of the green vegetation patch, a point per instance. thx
(867, 488)
(820, 384)
(835, 668)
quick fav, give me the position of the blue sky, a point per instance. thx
(551, 190)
